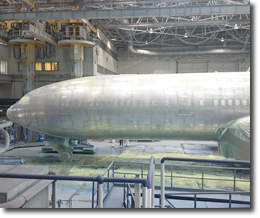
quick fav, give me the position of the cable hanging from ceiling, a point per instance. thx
(42, 53)
(36, 53)
(19, 53)
(48, 45)
(53, 50)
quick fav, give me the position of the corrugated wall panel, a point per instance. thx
(147, 67)
(224, 66)
(193, 67)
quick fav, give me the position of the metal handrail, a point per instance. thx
(126, 193)
(246, 163)
(206, 199)
(99, 179)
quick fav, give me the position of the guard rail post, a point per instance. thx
(53, 196)
(162, 185)
(153, 184)
(100, 180)
(144, 196)
(137, 193)
(149, 200)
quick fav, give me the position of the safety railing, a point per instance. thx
(225, 162)
(100, 179)
(126, 195)
(67, 35)
(195, 198)
(143, 194)
(174, 173)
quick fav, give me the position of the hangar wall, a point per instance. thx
(105, 56)
(104, 59)
(157, 66)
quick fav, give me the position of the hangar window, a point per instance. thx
(38, 66)
(3, 67)
(222, 102)
(54, 66)
(51, 66)
(47, 66)
(237, 102)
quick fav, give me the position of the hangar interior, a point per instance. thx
(44, 42)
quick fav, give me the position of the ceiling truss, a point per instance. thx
(152, 23)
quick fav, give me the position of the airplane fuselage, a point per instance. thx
(176, 106)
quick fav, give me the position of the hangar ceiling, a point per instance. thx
(168, 24)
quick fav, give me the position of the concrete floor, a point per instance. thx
(95, 164)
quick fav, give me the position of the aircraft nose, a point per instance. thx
(9, 113)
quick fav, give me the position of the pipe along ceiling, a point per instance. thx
(142, 52)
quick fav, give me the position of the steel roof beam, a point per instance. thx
(183, 23)
(128, 13)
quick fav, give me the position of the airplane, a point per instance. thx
(192, 106)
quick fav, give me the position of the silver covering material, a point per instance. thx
(170, 106)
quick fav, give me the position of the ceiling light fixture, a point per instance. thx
(186, 35)
(236, 26)
(151, 31)
(222, 39)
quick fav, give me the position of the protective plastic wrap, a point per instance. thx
(237, 134)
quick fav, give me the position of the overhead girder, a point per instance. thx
(204, 21)
(173, 24)
(128, 13)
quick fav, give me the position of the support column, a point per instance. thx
(145, 203)
(28, 59)
(100, 195)
(153, 184)
(76, 60)
(137, 193)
